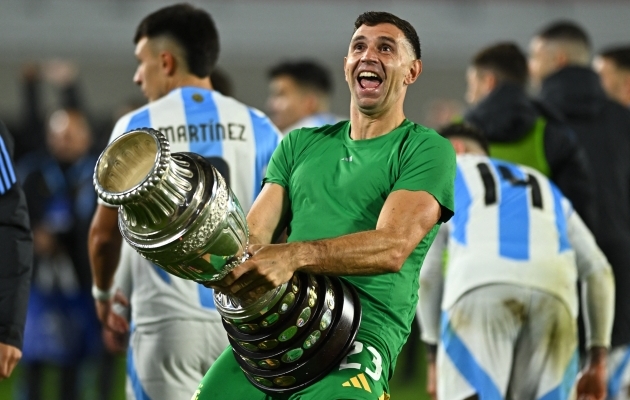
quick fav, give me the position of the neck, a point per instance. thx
(477, 152)
(191, 80)
(364, 126)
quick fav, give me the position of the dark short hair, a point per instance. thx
(565, 30)
(373, 18)
(466, 131)
(305, 73)
(191, 28)
(506, 60)
(620, 55)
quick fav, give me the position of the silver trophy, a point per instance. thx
(177, 211)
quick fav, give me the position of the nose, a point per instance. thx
(369, 54)
(137, 77)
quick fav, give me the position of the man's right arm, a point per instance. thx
(104, 248)
(598, 298)
(267, 218)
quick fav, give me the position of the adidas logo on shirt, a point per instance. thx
(358, 382)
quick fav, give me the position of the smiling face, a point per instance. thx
(379, 67)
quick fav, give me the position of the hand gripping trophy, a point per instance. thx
(177, 211)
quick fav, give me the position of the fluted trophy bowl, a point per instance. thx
(177, 211)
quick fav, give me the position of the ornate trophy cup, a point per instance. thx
(177, 211)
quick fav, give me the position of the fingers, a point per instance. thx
(4, 370)
(254, 289)
(120, 298)
(233, 276)
(255, 248)
(114, 342)
(117, 323)
(9, 357)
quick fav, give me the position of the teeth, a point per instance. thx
(368, 75)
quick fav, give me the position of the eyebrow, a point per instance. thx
(383, 38)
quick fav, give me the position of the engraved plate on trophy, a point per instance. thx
(177, 211)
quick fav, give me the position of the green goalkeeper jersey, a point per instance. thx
(337, 186)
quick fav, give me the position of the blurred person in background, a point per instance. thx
(299, 95)
(613, 66)
(526, 131)
(443, 111)
(58, 73)
(503, 318)
(16, 247)
(176, 330)
(61, 326)
(559, 63)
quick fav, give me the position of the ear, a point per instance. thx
(561, 59)
(626, 84)
(168, 63)
(459, 145)
(345, 61)
(414, 72)
(490, 80)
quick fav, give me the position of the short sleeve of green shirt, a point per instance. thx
(281, 163)
(429, 166)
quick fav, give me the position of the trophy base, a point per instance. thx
(302, 339)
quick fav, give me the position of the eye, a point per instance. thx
(386, 47)
(359, 46)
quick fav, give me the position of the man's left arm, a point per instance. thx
(104, 243)
(406, 217)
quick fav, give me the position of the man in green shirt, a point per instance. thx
(361, 199)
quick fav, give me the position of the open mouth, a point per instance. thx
(369, 80)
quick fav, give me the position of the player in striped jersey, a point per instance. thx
(177, 332)
(504, 319)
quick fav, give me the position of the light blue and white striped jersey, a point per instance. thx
(7, 172)
(238, 140)
(511, 225)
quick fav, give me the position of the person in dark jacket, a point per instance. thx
(525, 131)
(559, 63)
(16, 247)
